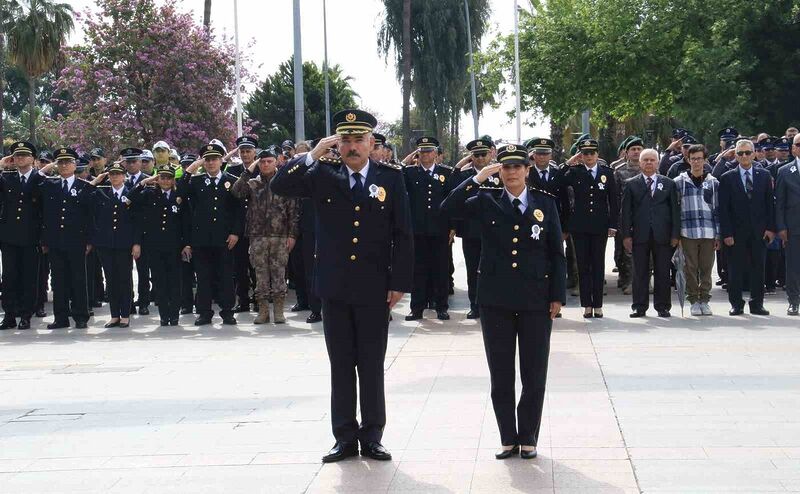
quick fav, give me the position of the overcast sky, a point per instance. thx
(350, 22)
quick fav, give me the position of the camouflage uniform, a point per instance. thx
(622, 172)
(271, 221)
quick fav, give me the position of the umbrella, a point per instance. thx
(679, 261)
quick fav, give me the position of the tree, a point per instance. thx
(435, 58)
(136, 81)
(35, 41)
(8, 11)
(271, 106)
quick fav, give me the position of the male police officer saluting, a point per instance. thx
(364, 255)
(521, 288)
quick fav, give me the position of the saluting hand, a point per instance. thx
(488, 171)
(99, 179)
(322, 147)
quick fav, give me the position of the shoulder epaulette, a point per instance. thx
(330, 161)
(540, 191)
(447, 167)
(491, 187)
(392, 166)
(604, 165)
(85, 182)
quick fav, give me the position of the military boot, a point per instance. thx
(277, 308)
(263, 312)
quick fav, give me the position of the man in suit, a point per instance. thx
(428, 184)
(67, 210)
(216, 227)
(628, 168)
(363, 268)
(747, 219)
(651, 226)
(20, 226)
(787, 219)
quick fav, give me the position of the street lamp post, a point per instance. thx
(238, 68)
(299, 116)
(516, 70)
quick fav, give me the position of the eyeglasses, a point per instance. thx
(480, 154)
(743, 153)
(797, 144)
(588, 152)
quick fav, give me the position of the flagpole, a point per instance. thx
(238, 68)
(299, 107)
(325, 70)
(516, 70)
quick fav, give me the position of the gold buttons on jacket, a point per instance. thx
(356, 223)
(358, 208)
(513, 253)
(353, 257)
(355, 240)
(516, 227)
(515, 240)
(514, 265)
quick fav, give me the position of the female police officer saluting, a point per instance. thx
(521, 288)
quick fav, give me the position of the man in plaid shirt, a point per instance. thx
(700, 233)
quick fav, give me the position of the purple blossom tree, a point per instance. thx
(146, 73)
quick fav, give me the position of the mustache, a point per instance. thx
(353, 154)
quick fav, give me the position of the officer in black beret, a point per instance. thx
(166, 218)
(364, 255)
(113, 239)
(428, 184)
(521, 288)
(20, 226)
(217, 225)
(67, 218)
(97, 160)
(243, 271)
(590, 222)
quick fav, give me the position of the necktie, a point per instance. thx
(544, 175)
(22, 179)
(517, 203)
(748, 184)
(166, 196)
(358, 187)
(116, 194)
(65, 187)
(650, 185)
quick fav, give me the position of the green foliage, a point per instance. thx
(706, 63)
(271, 106)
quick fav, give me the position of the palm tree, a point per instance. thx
(8, 10)
(35, 40)
(207, 15)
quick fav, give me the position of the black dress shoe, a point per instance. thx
(759, 311)
(442, 315)
(186, 310)
(298, 307)
(507, 453)
(202, 321)
(528, 455)
(664, 313)
(91, 313)
(473, 314)
(164, 322)
(40, 313)
(598, 313)
(340, 451)
(588, 315)
(314, 317)
(240, 307)
(376, 451)
(24, 324)
(124, 324)
(414, 316)
(133, 309)
(8, 323)
(637, 313)
(229, 320)
(735, 312)
(96, 304)
(791, 311)
(173, 322)
(111, 324)
(82, 325)
(58, 325)
(144, 311)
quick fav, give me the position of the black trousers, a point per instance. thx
(143, 283)
(431, 272)
(68, 267)
(44, 277)
(166, 267)
(590, 250)
(118, 268)
(187, 284)
(747, 257)
(472, 256)
(722, 263)
(356, 336)
(793, 269)
(572, 263)
(214, 266)
(94, 277)
(20, 266)
(772, 265)
(661, 255)
(241, 264)
(307, 269)
(502, 329)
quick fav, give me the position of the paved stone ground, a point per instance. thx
(653, 405)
